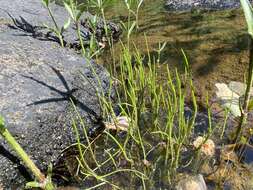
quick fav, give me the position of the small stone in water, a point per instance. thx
(121, 123)
(228, 98)
(146, 163)
(207, 148)
(192, 183)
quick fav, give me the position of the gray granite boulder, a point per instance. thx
(31, 17)
(37, 80)
(181, 5)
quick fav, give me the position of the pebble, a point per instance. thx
(192, 183)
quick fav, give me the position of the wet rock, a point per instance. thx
(192, 183)
(231, 96)
(37, 81)
(181, 5)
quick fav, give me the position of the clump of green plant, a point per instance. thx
(76, 11)
(142, 94)
(57, 30)
(42, 181)
(152, 146)
(131, 25)
(99, 5)
(151, 149)
(135, 11)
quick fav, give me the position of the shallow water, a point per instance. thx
(216, 45)
(215, 41)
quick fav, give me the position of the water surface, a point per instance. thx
(214, 41)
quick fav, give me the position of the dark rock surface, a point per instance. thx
(37, 80)
(31, 17)
(181, 5)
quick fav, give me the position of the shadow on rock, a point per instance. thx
(65, 96)
(15, 161)
(34, 31)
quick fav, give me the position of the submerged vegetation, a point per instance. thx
(153, 131)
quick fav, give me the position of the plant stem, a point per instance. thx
(244, 109)
(24, 157)
(80, 38)
(59, 34)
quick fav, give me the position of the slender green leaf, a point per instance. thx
(46, 2)
(140, 3)
(131, 29)
(66, 24)
(250, 106)
(247, 8)
(1, 124)
(33, 184)
(70, 11)
(81, 8)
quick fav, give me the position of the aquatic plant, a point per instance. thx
(156, 133)
(43, 182)
(156, 124)
(57, 30)
(99, 5)
(76, 11)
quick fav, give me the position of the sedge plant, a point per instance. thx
(76, 11)
(141, 94)
(99, 7)
(149, 147)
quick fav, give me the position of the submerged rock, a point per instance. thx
(207, 146)
(239, 88)
(181, 5)
(192, 183)
(228, 99)
(37, 81)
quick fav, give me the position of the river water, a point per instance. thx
(215, 41)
